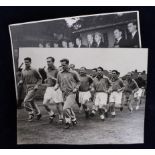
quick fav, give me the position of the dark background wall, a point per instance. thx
(10, 15)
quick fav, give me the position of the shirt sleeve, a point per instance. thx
(58, 78)
(38, 77)
(135, 84)
(109, 83)
(76, 77)
(56, 73)
(121, 83)
(22, 77)
(90, 80)
(93, 85)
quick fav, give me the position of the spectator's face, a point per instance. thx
(78, 41)
(82, 71)
(131, 27)
(117, 34)
(97, 38)
(71, 45)
(90, 38)
(64, 44)
(27, 63)
(64, 65)
(49, 62)
(55, 45)
(41, 45)
(47, 45)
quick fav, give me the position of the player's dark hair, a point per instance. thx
(53, 60)
(100, 68)
(95, 69)
(118, 73)
(84, 68)
(65, 60)
(28, 58)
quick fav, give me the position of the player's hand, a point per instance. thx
(36, 88)
(119, 90)
(92, 90)
(56, 88)
(106, 91)
(133, 91)
(45, 80)
(109, 91)
(20, 83)
(75, 90)
(91, 99)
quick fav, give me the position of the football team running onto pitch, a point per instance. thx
(66, 86)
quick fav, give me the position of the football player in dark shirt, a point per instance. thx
(130, 87)
(115, 99)
(84, 90)
(140, 93)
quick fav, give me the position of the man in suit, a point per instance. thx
(90, 41)
(98, 40)
(133, 38)
(119, 40)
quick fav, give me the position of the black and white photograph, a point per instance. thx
(106, 30)
(80, 80)
(81, 96)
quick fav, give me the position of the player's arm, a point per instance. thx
(76, 78)
(121, 85)
(109, 90)
(57, 86)
(93, 87)
(39, 79)
(90, 80)
(22, 80)
(136, 86)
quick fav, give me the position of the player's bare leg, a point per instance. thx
(29, 109)
(86, 110)
(112, 109)
(138, 100)
(49, 110)
(36, 110)
(69, 116)
(60, 111)
(101, 113)
(93, 112)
